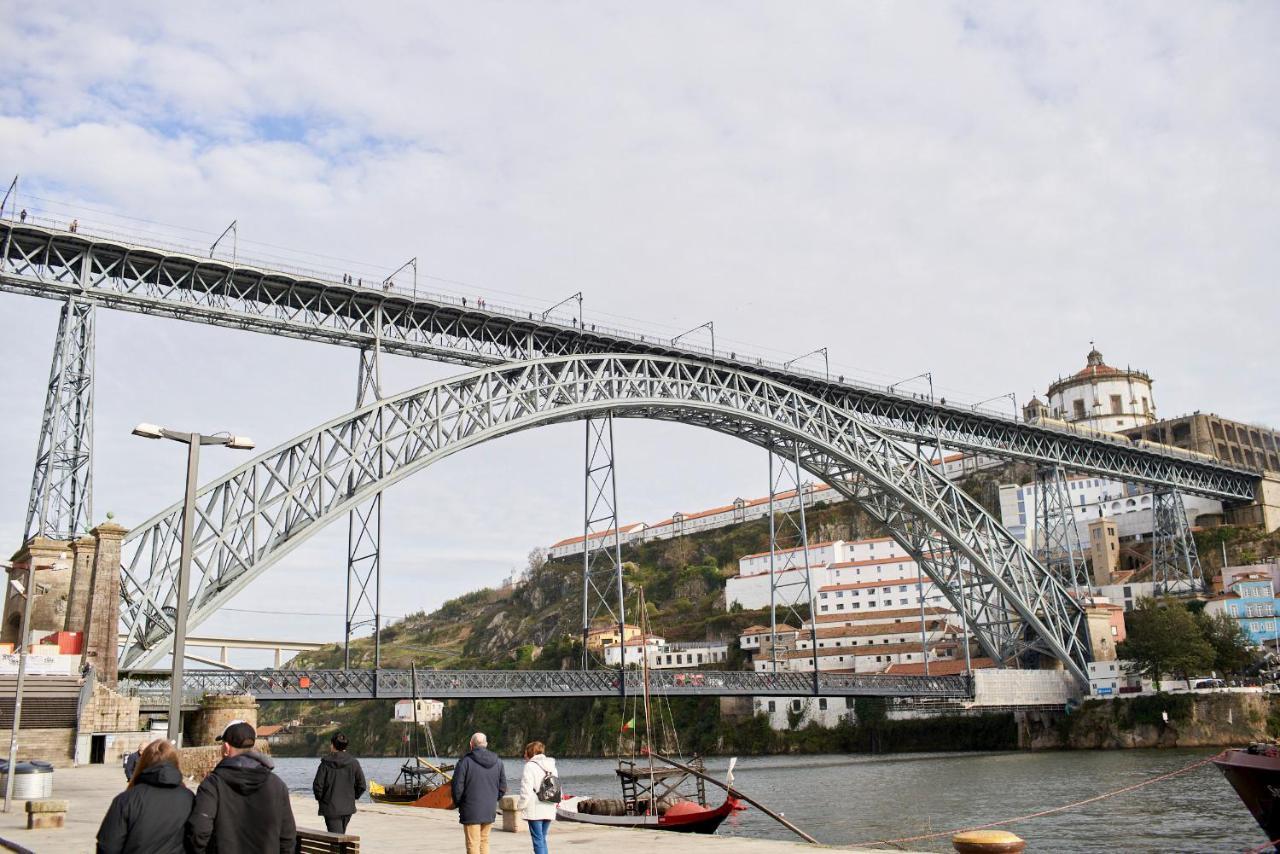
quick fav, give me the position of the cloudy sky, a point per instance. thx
(974, 189)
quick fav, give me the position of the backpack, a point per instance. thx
(549, 789)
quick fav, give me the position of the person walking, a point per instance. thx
(131, 761)
(338, 784)
(479, 782)
(241, 807)
(539, 793)
(148, 816)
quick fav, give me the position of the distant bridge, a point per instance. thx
(309, 684)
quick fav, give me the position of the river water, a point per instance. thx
(852, 799)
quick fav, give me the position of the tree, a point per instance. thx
(1231, 651)
(1164, 637)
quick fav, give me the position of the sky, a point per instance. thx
(978, 190)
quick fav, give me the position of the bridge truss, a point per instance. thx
(84, 271)
(257, 513)
(453, 684)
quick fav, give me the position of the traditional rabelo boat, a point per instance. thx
(420, 783)
(657, 794)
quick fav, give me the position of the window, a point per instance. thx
(1117, 407)
(822, 703)
(1078, 406)
(773, 706)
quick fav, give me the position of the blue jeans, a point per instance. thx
(538, 833)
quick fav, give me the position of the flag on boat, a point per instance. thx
(631, 724)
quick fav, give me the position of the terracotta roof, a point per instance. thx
(876, 629)
(269, 730)
(873, 614)
(812, 546)
(871, 561)
(866, 649)
(887, 582)
(626, 529)
(757, 630)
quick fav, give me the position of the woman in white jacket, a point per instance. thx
(538, 814)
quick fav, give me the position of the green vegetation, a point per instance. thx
(1166, 638)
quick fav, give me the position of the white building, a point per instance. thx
(1112, 678)
(1092, 498)
(1127, 594)
(680, 654)
(827, 712)
(830, 563)
(741, 510)
(429, 711)
(1101, 397)
(614, 653)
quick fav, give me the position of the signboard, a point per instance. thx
(37, 665)
(1104, 692)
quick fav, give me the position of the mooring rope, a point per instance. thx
(1051, 811)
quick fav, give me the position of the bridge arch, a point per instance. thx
(255, 515)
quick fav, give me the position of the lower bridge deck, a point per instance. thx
(153, 686)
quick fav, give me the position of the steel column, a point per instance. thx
(1175, 563)
(603, 591)
(789, 553)
(61, 502)
(364, 526)
(1057, 537)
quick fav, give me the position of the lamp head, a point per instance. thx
(149, 431)
(240, 443)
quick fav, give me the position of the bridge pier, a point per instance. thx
(1265, 509)
(216, 712)
(53, 572)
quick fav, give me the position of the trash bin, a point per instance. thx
(31, 780)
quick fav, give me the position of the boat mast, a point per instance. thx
(413, 691)
(644, 667)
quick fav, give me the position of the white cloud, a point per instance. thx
(978, 190)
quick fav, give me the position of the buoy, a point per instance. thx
(988, 842)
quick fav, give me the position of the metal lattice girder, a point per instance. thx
(1175, 563)
(1058, 540)
(603, 593)
(790, 579)
(159, 281)
(364, 531)
(61, 502)
(253, 516)
(293, 684)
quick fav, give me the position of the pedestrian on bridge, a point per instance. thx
(479, 782)
(539, 793)
(148, 816)
(338, 784)
(241, 807)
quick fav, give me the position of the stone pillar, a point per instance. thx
(1265, 509)
(218, 710)
(52, 560)
(102, 619)
(82, 552)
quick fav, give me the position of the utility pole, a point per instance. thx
(22, 678)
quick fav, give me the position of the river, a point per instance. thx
(852, 799)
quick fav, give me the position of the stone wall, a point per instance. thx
(218, 710)
(51, 745)
(1006, 687)
(109, 712)
(1195, 720)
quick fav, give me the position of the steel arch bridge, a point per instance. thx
(256, 514)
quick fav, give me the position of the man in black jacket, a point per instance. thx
(339, 783)
(479, 782)
(241, 807)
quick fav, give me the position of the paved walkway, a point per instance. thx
(381, 828)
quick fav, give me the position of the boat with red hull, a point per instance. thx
(1254, 772)
(680, 817)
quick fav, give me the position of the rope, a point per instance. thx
(1266, 846)
(1042, 813)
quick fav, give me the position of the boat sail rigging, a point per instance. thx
(421, 782)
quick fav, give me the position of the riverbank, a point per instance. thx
(89, 790)
(1156, 720)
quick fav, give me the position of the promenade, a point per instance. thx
(89, 790)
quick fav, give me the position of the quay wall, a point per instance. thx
(1159, 720)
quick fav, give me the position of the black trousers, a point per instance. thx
(336, 823)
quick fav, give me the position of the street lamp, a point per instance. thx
(27, 592)
(193, 441)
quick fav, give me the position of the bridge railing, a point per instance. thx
(447, 684)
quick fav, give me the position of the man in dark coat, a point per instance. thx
(131, 761)
(479, 782)
(241, 806)
(147, 817)
(339, 783)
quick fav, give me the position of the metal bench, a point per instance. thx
(323, 842)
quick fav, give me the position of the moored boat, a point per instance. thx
(1254, 772)
(420, 783)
